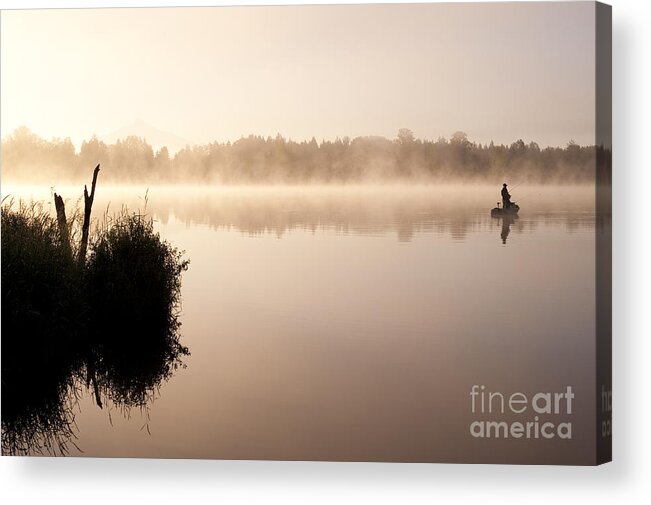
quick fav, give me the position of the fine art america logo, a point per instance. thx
(535, 410)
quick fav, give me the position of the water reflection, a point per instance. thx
(38, 400)
(406, 213)
(507, 221)
(40, 395)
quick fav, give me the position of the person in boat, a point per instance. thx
(506, 197)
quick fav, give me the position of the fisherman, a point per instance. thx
(506, 197)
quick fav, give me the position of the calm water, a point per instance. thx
(351, 323)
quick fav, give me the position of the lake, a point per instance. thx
(350, 323)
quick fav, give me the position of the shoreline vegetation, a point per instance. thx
(266, 160)
(82, 311)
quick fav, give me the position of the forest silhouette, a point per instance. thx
(26, 157)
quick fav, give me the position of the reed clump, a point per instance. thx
(134, 280)
(109, 321)
(41, 330)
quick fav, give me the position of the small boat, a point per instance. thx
(512, 211)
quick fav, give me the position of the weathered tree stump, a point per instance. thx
(62, 222)
(88, 205)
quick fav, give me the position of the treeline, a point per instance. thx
(256, 159)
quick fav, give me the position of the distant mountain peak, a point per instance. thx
(141, 122)
(155, 137)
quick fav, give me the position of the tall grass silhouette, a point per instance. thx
(107, 325)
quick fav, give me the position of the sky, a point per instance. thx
(498, 72)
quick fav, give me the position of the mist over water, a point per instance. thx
(349, 322)
(370, 209)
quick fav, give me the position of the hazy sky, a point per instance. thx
(496, 71)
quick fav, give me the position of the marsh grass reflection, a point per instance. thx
(108, 325)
